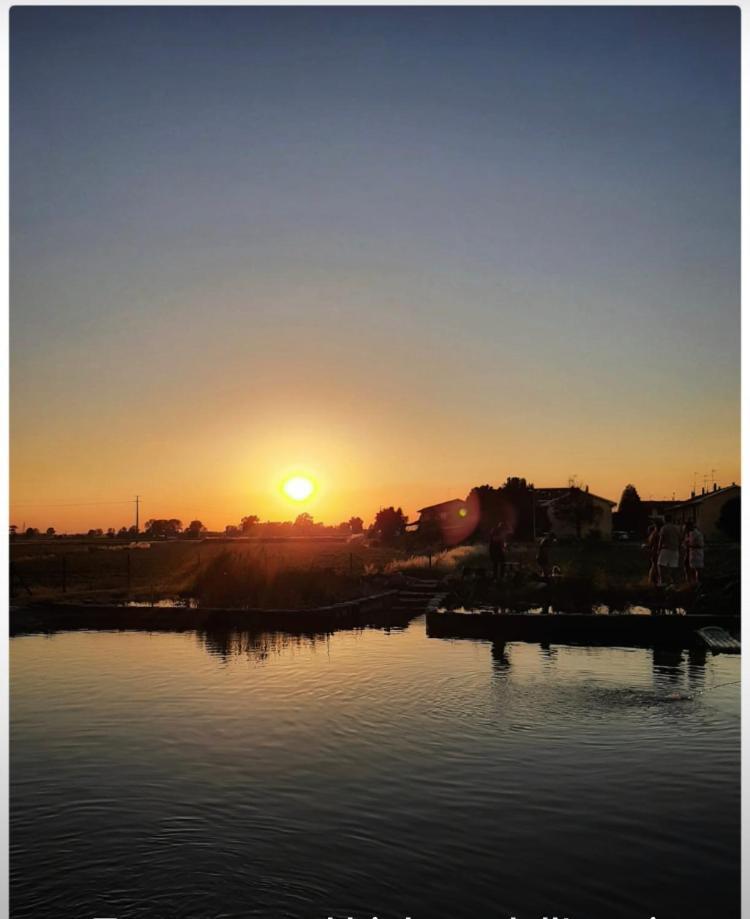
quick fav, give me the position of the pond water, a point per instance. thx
(370, 774)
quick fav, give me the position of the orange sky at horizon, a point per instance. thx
(224, 483)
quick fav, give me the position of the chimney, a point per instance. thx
(716, 486)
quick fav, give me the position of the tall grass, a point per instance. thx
(439, 564)
(237, 580)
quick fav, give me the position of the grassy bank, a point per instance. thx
(104, 570)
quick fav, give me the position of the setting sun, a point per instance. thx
(298, 487)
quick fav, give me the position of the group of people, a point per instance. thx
(498, 549)
(665, 542)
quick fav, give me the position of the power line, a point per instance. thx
(77, 504)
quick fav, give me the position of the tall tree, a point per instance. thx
(390, 523)
(247, 523)
(511, 504)
(304, 524)
(194, 529)
(356, 525)
(631, 514)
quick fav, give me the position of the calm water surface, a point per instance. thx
(370, 774)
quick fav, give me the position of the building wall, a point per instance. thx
(563, 529)
(705, 513)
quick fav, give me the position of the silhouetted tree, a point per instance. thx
(730, 519)
(511, 504)
(163, 527)
(631, 514)
(13, 530)
(111, 532)
(97, 532)
(50, 531)
(194, 529)
(122, 532)
(356, 525)
(247, 523)
(304, 523)
(32, 531)
(390, 523)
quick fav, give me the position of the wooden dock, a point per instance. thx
(382, 610)
(627, 630)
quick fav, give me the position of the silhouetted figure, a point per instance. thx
(543, 555)
(694, 545)
(652, 546)
(669, 552)
(497, 550)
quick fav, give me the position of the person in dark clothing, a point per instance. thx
(497, 550)
(543, 558)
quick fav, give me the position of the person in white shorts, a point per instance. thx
(694, 545)
(669, 552)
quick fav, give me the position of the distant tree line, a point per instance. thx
(303, 525)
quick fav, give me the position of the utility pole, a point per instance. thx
(137, 512)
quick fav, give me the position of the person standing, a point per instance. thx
(497, 548)
(694, 546)
(652, 546)
(669, 552)
(543, 555)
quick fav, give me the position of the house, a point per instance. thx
(453, 520)
(708, 508)
(444, 514)
(572, 512)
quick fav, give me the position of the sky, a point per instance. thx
(405, 251)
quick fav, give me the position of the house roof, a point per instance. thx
(548, 495)
(442, 504)
(649, 504)
(699, 499)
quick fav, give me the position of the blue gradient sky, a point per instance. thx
(409, 250)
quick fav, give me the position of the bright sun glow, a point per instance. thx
(298, 487)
